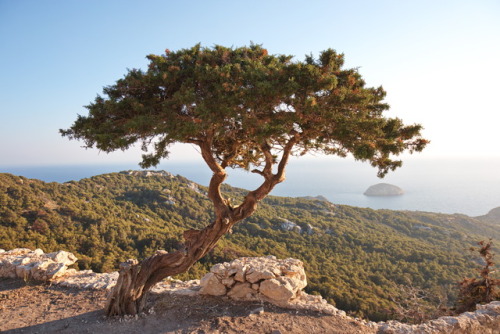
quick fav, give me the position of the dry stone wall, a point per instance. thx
(39, 266)
(280, 282)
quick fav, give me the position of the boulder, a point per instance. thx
(242, 291)
(277, 290)
(211, 285)
(63, 257)
(253, 276)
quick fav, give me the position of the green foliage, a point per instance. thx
(353, 256)
(239, 104)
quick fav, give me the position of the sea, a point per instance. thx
(442, 185)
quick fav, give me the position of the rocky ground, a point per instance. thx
(243, 296)
(28, 307)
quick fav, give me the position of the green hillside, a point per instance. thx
(353, 256)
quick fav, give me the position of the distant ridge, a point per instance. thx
(317, 198)
(493, 216)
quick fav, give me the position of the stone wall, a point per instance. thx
(279, 282)
(36, 265)
(260, 278)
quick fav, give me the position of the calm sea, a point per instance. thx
(471, 187)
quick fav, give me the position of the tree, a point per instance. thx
(473, 291)
(242, 108)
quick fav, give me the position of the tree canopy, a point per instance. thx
(244, 107)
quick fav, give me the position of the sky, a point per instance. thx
(438, 60)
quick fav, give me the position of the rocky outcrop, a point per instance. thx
(36, 265)
(383, 189)
(27, 264)
(148, 173)
(287, 226)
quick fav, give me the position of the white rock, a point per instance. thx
(219, 269)
(228, 281)
(210, 285)
(241, 272)
(17, 251)
(280, 291)
(23, 272)
(37, 252)
(241, 291)
(55, 270)
(63, 257)
(253, 276)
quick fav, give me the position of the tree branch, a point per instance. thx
(249, 204)
(287, 150)
(267, 172)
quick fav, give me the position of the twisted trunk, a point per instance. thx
(136, 279)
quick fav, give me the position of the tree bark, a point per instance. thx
(136, 279)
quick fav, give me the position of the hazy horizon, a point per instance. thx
(441, 185)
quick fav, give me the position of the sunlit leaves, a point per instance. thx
(237, 99)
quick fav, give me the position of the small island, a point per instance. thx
(383, 189)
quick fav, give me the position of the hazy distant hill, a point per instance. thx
(352, 256)
(492, 217)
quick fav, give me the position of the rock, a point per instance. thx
(38, 272)
(210, 285)
(242, 291)
(383, 189)
(55, 270)
(277, 281)
(258, 310)
(219, 269)
(284, 290)
(17, 251)
(280, 291)
(38, 252)
(228, 281)
(240, 274)
(287, 225)
(23, 272)
(27, 264)
(63, 257)
(254, 275)
(485, 320)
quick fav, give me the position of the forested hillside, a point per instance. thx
(353, 256)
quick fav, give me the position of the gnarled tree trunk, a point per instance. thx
(136, 279)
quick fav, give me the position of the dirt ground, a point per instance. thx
(27, 307)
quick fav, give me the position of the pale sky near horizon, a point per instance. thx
(438, 60)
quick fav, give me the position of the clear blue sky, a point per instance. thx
(438, 60)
